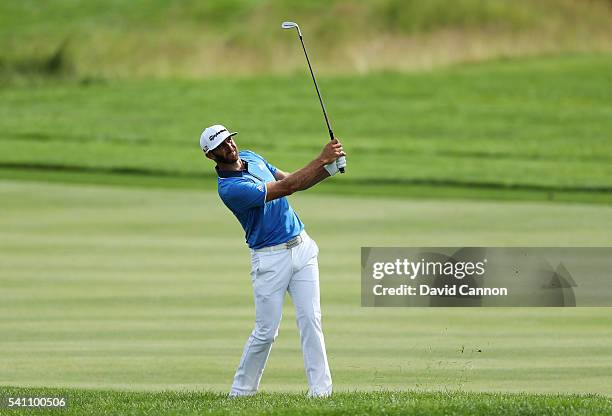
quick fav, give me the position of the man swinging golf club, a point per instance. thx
(283, 256)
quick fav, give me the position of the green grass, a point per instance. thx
(108, 287)
(134, 298)
(527, 129)
(379, 403)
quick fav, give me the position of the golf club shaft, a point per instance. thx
(329, 129)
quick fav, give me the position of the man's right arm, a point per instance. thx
(309, 175)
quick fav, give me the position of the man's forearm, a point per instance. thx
(309, 175)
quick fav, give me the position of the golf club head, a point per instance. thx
(291, 25)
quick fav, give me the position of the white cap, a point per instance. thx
(213, 136)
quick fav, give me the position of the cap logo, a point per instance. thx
(211, 138)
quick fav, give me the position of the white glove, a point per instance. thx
(341, 162)
(332, 168)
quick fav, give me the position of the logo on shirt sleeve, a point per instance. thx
(260, 188)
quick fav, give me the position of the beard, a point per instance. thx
(226, 160)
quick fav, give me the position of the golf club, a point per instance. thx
(290, 25)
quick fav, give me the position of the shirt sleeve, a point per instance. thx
(271, 167)
(245, 195)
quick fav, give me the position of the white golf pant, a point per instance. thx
(294, 270)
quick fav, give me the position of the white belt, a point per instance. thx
(294, 242)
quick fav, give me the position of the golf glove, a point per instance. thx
(331, 168)
(341, 162)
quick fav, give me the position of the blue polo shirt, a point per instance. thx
(244, 193)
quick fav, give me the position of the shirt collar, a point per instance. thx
(232, 173)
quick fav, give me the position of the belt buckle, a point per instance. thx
(294, 242)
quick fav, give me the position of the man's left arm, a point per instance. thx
(279, 175)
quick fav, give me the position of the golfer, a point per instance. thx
(283, 256)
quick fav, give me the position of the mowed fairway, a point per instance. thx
(145, 289)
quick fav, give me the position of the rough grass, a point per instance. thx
(95, 402)
(194, 38)
(513, 129)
